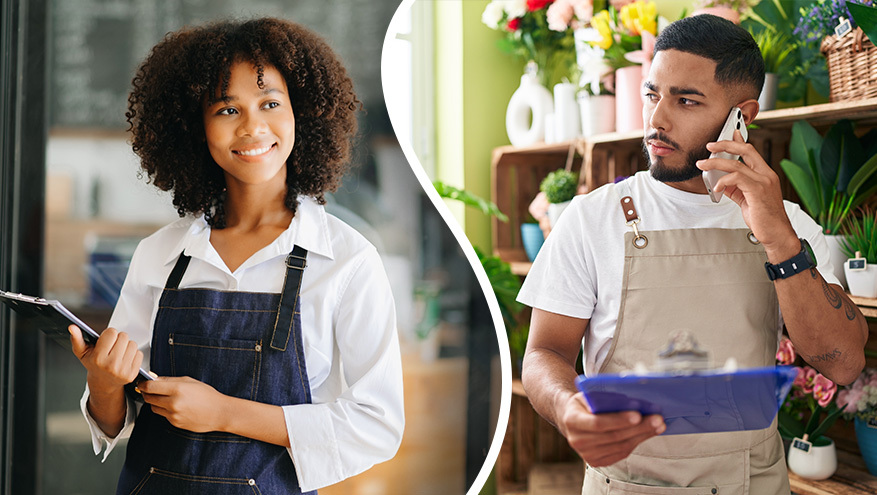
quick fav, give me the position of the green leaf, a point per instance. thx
(866, 18)
(865, 172)
(827, 422)
(489, 208)
(869, 142)
(804, 138)
(804, 185)
(832, 153)
(792, 426)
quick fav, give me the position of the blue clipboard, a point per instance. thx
(697, 403)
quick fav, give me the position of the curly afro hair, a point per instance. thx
(188, 67)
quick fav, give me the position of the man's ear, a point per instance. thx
(749, 109)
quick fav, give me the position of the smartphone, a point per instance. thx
(734, 122)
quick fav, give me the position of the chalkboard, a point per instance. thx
(96, 45)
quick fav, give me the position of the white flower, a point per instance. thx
(514, 8)
(492, 14)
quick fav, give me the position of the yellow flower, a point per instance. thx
(640, 16)
(602, 23)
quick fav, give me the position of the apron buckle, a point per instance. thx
(640, 241)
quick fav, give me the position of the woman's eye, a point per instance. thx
(272, 104)
(227, 111)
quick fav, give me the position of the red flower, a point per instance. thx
(513, 24)
(534, 5)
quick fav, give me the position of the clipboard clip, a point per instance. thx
(682, 355)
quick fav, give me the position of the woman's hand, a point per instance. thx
(185, 402)
(112, 362)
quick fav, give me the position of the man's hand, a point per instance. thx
(604, 439)
(112, 362)
(755, 187)
(186, 402)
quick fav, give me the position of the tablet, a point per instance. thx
(53, 318)
(704, 402)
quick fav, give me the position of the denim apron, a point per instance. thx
(712, 283)
(244, 344)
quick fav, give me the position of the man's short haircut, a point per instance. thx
(738, 59)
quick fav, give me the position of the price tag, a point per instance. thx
(843, 28)
(802, 445)
(857, 264)
(872, 423)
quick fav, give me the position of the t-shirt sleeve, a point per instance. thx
(561, 279)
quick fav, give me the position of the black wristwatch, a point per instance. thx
(794, 265)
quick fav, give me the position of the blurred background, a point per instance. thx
(72, 209)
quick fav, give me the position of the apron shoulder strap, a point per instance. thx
(631, 216)
(295, 267)
(173, 280)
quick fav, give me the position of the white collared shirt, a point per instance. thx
(356, 418)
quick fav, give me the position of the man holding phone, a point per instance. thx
(619, 276)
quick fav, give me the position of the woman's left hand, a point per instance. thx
(186, 402)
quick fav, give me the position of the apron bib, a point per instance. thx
(245, 345)
(710, 282)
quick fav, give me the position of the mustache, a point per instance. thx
(660, 136)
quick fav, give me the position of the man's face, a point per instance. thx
(684, 109)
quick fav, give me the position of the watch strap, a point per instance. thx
(792, 266)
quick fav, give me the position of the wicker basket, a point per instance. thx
(852, 66)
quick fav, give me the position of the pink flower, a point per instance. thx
(563, 14)
(823, 390)
(534, 5)
(619, 3)
(805, 379)
(559, 15)
(786, 352)
(849, 399)
(513, 24)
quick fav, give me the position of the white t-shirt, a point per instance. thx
(579, 269)
(356, 418)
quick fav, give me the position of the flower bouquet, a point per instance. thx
(620, 32)
(540, 31)
(810, 409)
(859, 403)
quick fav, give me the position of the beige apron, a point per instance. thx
(712, 283)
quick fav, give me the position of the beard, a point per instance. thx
(687, 171)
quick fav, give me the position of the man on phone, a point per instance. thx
(730, 272)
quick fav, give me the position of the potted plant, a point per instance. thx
(860, 243)
(832, 176)
(859, 403)
(559, 188)
(807, 413)
(776, 48)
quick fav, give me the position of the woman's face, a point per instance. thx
(251, 132)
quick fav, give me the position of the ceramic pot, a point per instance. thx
(554, 211)
(597, 113)
(527, 110)
(768, 98)
(837, 257)
(866, 437)
(723, 12)
(862, 283)
(628, 98)
(567, 121)
(817, 463)
(532, 238)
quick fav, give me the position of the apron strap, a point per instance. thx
(631, 217)
(173, 281)
(295, 267)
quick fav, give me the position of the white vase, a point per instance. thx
(768, 98)
(862, 283)
(527, 110)
(567, 121)
(817, 463)
(597, 113)
(554, 211)
(837, 257)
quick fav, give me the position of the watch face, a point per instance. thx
(808, 252)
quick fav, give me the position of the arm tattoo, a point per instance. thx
(828, 356)
(835, 299)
